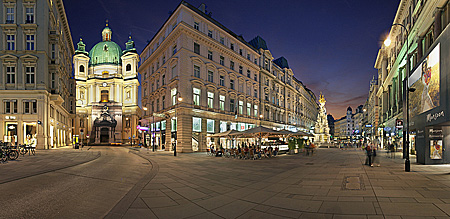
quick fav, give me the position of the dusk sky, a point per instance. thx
(331, 45)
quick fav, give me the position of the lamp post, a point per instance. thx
(387, 42)
(176, 116)
(260, 137)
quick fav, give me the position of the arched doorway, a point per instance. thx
(104, 135)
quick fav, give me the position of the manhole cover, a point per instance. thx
(353, 183)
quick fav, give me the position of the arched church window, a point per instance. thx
(105, 73)
(128, 67)
(104, 96)
(81, 68)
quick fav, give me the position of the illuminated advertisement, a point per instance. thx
(425, 81)
(436, 149)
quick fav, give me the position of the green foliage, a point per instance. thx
(291, 144)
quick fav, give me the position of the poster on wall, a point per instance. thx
(425, 81)
(436, 149)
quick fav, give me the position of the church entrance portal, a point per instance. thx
(104, 135)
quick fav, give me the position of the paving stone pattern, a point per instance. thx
(44, 161)
(331, 184)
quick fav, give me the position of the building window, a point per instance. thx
(10, 42)
(222, 80)
(53, 80)
(248, 56)
(173, 93)
(10, 15)
(241, 106)
(30, 42)
(197, 48)
(255, 110)
(10, 106)
(222, 102)
(196, 25)
(210, 125)
(164, 60)
(163, 79)
(255, 76)
(256, 93)
(29, 15)
(240, 51)
(248, 74)
(128, 95)
(232, 65)
(232, 46)
(210, 76)
(153, 86)
(174, 71)
(256, 61)
(10, 75)
(157, 105)
(128, 68)
(232, 107)
(29, 75)
(174, 50)
(232, 84)
(196, 71)
(53, 52)
(210, 99)
(173, 124)
(163, 101)
(222, 60)
(210, 55)
(104, 96)
(210, 33)
(222, 40)
(240, 69)
(249, 109)
(157, 84)
(196, 96)
(81, 68)
(196, 124)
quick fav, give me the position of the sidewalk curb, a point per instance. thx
(121, 208)
(99, 154)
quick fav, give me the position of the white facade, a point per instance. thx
(224, 82)
(36, 89)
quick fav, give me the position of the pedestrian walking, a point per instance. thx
(369, 155)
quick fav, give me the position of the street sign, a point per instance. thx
(399, 123)
(129, 137)
(159, 115)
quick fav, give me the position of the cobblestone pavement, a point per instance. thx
(330, 184)
(44, 161)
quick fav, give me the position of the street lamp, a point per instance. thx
(176, 116)
(387, 42)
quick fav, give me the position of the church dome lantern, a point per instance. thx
(105, 52)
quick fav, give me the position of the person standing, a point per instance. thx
(369, 155)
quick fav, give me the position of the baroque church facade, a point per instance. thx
(106, 91)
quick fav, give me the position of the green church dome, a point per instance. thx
(105, 52)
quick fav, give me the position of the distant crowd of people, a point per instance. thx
(244, 151)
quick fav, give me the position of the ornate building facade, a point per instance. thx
(36, 89)
(321, 129)
(200, 78)
(106, 91)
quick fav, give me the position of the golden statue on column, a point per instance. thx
(321, 129)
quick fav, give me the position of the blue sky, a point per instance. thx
(331, 45)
